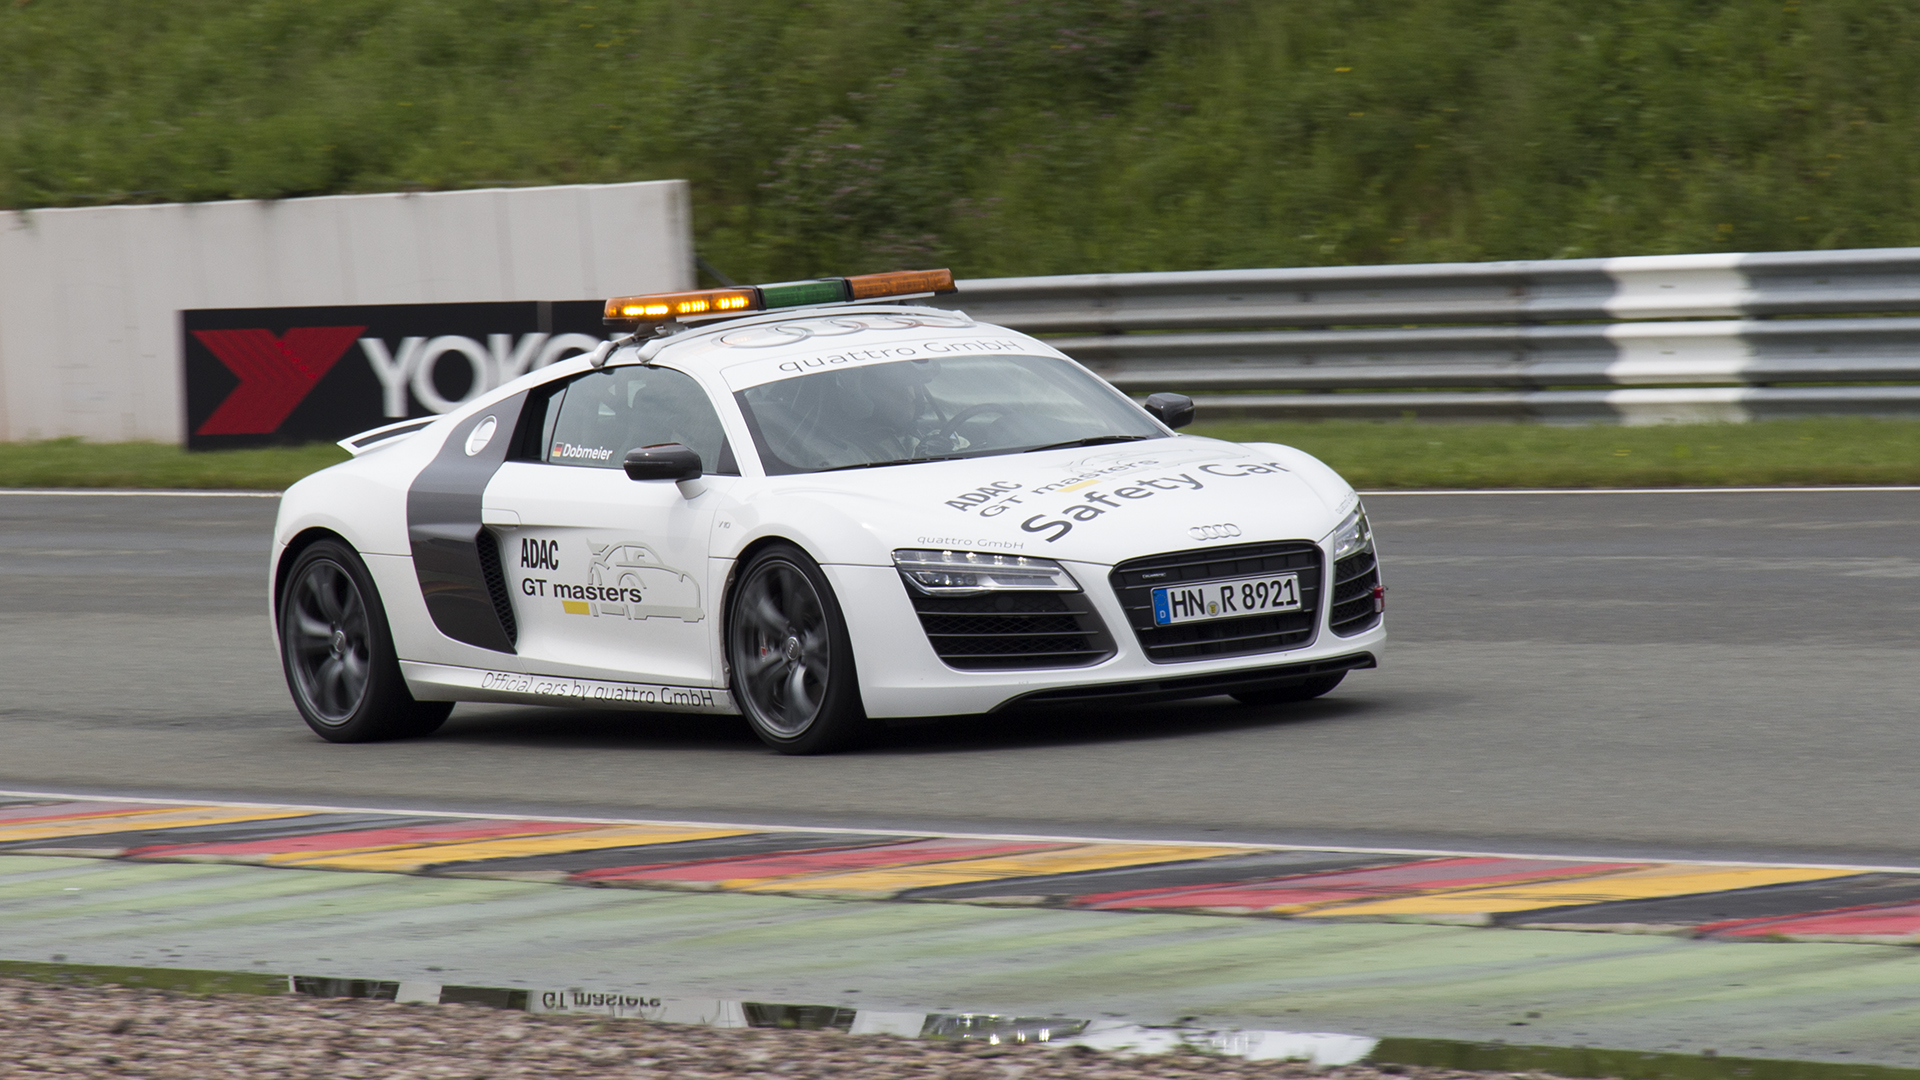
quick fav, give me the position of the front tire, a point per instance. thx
(1300, 691)
(337, 652)
(791, 657)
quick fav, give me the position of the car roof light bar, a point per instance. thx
(667, 307)
(900, 283)
(657, 309)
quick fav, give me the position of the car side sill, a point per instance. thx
(446, 682)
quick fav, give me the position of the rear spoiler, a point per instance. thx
(367, 440)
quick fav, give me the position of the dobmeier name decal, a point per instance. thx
(581, 453)
(257, 376)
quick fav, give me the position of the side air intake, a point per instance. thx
(496, 580)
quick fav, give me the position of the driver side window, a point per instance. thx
(603, 414)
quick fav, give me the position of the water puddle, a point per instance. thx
(1317, 1048)
(994, 1028)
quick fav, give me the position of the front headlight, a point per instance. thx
(1353, 535)
(963, 573)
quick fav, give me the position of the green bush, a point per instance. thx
(1013, 136)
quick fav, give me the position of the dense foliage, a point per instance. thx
(1013, 136)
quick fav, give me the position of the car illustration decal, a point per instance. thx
(624, 580)
(456, 560)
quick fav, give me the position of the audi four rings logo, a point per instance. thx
(1214, 532)
(761, 337)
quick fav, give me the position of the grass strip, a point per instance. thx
(173, 980)
(1826, 450)
(71, 463)
(1370, 455)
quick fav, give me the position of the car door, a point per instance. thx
(609, 576)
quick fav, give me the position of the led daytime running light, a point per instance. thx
(966, 573)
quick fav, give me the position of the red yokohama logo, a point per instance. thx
(276, 373)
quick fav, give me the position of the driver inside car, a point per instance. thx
(881, 406)
(896, 411)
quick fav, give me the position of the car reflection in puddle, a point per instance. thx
(1315, 1048)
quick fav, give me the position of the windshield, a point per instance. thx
(919, 410)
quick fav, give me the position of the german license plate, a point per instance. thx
(1230, 599)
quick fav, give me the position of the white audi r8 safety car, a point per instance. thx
(820, 507)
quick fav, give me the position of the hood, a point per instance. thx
(1100, 505)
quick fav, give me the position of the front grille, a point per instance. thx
(1013, 629)
(1135, 580)
(1353, 580)
(489, 550)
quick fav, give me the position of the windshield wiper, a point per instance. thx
(895, 461)
(1091, 440)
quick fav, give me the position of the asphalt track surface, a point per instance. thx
(1685, 674)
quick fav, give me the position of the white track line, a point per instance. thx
(941, 833)
(165, 493)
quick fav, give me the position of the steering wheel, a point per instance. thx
(968, 413)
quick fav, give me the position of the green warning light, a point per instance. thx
(795, 293)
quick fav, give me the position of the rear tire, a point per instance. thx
(1300, 691)
(337, 652)
(790, 655)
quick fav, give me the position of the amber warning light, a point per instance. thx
(656, 308)
(661, 307)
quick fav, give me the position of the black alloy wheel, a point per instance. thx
(1306, 690)
(790, 656)
(338, 655)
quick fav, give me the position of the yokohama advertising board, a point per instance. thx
(261, 376)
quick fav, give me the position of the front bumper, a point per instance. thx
(1174, 688)
(901, 676)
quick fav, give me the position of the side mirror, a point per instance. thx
(667, 461)
(1173, 410)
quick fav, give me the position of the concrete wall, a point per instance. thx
(89, 298)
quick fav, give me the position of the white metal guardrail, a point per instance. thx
(1637, 340)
